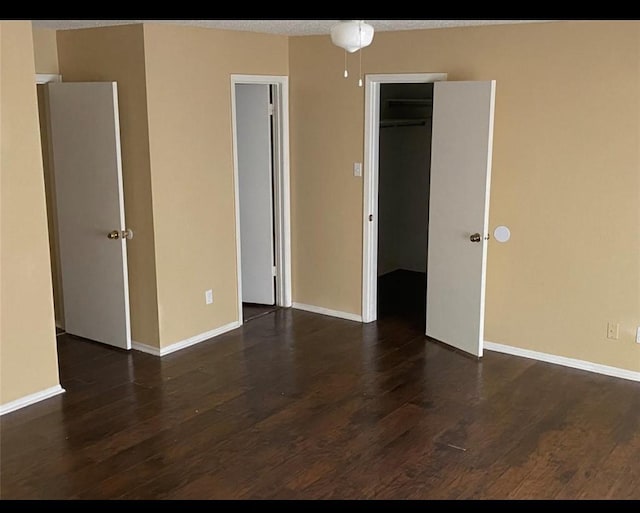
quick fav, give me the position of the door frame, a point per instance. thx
(45, 78)
(370, 185)
(50, 203)
(281, 186)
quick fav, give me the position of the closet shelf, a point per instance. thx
(409, 101)
(385, 123)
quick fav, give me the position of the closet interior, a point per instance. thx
(403, 198)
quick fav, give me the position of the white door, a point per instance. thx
(461, 149)
(253, 135)
(85, 144)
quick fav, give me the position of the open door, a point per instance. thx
(92, 235)
(255, 185)
(461, 151)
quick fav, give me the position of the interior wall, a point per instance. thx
(28, 357)
(49, 187)
(403, 197)
(564, 179)
(188, 73)
(117, 54)
(45, 49)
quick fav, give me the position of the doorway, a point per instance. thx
(43, 116)
(404, 152)
(399, 111)
(458, 205)
(85, 209)
(261, 176)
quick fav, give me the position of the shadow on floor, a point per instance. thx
(252, 311)
(402, 294)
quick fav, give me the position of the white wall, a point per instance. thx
(403, 197)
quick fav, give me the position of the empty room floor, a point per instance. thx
(296, 405)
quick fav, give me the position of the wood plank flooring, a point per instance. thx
(295, 405)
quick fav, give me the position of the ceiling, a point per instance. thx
(285, 27)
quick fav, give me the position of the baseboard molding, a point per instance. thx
(185, 343)
(327, 311)
(31, 399)
(145, 348)
(562, 360)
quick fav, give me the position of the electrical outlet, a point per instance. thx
(357, 169)
(208, 296)
(613, 330)
(638, 335)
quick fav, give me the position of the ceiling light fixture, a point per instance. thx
(352, 35)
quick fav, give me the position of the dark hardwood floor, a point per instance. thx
(295, 405)
(252, 311)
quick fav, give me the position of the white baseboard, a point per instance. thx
(326, 311)
(185, 343)
(145, 348)
(562, 360)
(31, 399)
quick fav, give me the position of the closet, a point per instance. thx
(403, 198)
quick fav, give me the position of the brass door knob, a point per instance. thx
(118, 234)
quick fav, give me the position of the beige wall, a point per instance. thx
(190, 140)
(49, 189)
(565, 176)
(45, 51)
(117, 54)
(28, 357)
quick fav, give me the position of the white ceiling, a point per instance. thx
(285, 27)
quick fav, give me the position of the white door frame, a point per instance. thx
(370, 185)
(281, 189)
(45, 78)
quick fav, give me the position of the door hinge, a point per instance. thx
(271, 109)
(274, 270)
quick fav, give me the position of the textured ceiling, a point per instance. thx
(285, 27)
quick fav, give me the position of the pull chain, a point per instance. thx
(360, 54)
(346, 73)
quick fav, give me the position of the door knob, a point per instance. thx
(476, 237)
(117, 234)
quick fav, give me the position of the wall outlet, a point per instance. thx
(357, 169)
(613, 330)
(638, 335)
(208, 296)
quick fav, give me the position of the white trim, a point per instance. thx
(196, 339)
(327, 311)
(123, 226)
(45, 78)
(563, 360)
(31, 399)
(485, 221)
(370, 185)
(282, 195)
(145, 348)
